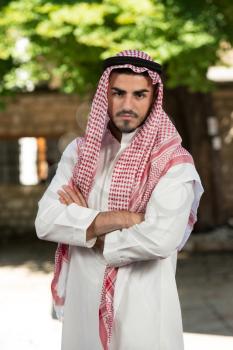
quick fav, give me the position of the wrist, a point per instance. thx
(91, 230)
(124, 219)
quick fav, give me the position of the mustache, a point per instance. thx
(124, 111)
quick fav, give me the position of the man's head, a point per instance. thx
(130, 98)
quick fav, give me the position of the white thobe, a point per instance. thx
(146, 304)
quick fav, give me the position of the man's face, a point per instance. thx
(130, 97)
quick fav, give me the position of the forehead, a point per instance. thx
(130, 82)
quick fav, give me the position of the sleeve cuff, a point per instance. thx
(79, 218)
(111, 250)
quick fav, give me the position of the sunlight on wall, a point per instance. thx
(220, 73)
(28, 161)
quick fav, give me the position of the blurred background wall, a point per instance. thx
(36, 127)
(51, 55)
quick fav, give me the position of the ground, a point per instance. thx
(204, 281)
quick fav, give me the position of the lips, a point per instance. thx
(126, 116)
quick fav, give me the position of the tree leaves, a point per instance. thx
(69, 39)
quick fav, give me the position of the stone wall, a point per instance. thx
(43, 115)
(55, 115)
(18, 208)
(9, 161)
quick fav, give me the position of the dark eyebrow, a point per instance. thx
(141, 91)
(135, 92)
(117, 89)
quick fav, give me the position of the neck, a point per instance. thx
(114, 131)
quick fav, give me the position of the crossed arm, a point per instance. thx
(63, 217)
(104, 222)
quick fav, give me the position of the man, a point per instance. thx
(121, 205)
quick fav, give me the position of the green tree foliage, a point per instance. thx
(61, 44)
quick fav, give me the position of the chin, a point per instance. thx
(126, 128)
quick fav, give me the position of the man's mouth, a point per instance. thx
(127, 116)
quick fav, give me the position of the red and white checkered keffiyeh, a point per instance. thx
(154, 149)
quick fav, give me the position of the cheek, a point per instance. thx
(144, 106)
(114, 106)
(110, 105)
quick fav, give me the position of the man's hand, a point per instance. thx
(99, 245)
(106, 222)
(70, 195)
(67, 196)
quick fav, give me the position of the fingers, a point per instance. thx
(70, 195)
(64, 198)
(80, 196)
(99, 245)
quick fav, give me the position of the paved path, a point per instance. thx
(205, 283)
(26, 322)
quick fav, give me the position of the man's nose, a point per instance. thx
(127, 102)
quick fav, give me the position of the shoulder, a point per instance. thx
(178, 174)
(183, 172)
(71, 150)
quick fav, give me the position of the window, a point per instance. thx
(28, 160)
(28, 174)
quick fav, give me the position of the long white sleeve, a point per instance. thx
(165, 222)
(60, 223)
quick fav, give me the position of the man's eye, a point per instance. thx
(140, 95)
(117, 93)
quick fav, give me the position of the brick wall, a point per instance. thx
(55, 115)
(18, 208)
(43, 114)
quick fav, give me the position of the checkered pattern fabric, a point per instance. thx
(106, 311)
(154, 149)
